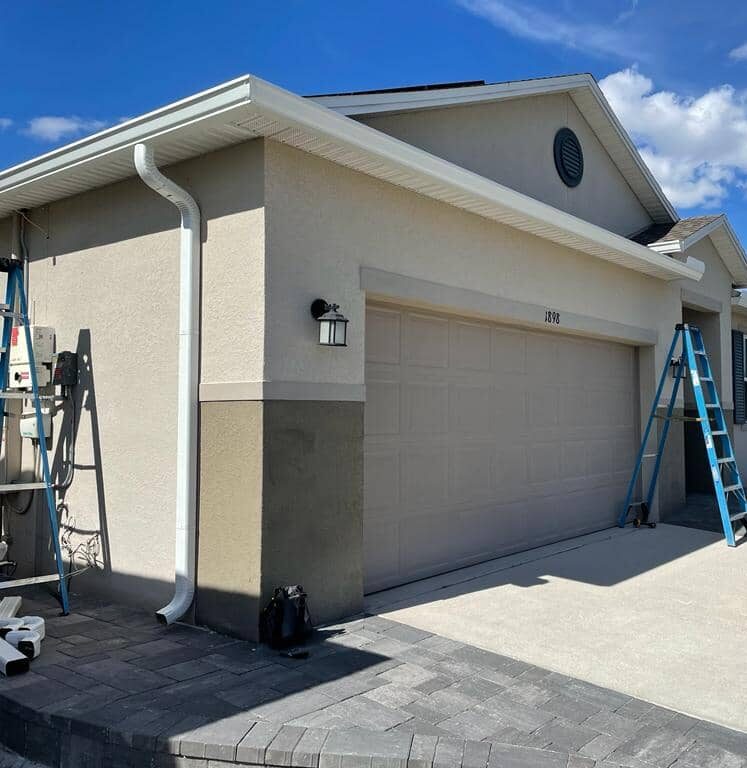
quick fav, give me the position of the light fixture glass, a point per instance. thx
(333, 325)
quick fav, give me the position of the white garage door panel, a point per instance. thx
(482, 440)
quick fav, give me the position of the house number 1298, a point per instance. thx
(553, 318)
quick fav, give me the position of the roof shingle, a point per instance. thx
(681, 230)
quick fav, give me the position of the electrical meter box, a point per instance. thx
(29, 426)
(42, 340)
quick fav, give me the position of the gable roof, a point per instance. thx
(249, 107)
(678, 237)
(582, 88)
(661, 235)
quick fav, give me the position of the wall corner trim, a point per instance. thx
(388, 286)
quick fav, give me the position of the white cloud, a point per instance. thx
(530, 23)
(696, 146)
(739, 53)
(5, 123)
(55, 127)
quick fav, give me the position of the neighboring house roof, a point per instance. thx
(663, 234)
(582, 88)
(677, 238)
(249, 107)
(739, 304)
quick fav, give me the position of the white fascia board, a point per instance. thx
(604, 105)
(403, 101)
(739, 304)
(53, 175)
(143, 128)
(305, 115)
(729, 248)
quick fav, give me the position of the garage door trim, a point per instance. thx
(384, 286)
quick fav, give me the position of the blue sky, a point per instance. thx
(678, 78)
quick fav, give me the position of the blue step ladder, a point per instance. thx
(692, 364)
(15, 315)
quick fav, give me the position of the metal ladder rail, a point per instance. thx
(621, 520)
(15, 283)
(695, 350)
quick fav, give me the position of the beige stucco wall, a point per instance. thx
(712, 294)
(512, 142)
(104, 273)
(325, 222)
(229, 557)
(739, 323)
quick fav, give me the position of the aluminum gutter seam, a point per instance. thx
(247, 93)
(294, 110)
(393, 102)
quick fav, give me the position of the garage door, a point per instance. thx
(482, 440)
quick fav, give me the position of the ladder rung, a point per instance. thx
(649, 455)
(12, 394)
(719, 432)
(737, 516)
(727, 460)
(26, 582)
(700, 352)
(15, 487)
(712, 405)
(706, 378)
(731, 488)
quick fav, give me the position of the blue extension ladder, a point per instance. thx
(15, 294)
(693, 363)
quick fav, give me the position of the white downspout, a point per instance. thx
(189, 337)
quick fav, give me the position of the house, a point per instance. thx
(511, 274)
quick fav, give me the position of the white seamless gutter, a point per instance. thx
(250, 107)
(188, 382)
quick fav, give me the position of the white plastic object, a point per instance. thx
(12, 661)
(35, 624)
(9, 606)
(26, 641)
(10, 624)
(187, 384)
(42, 341)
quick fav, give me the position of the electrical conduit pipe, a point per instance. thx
(189, 337)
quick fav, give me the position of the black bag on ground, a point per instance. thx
(285, 621)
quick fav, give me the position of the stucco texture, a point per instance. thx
(104, 274)
(512, 143)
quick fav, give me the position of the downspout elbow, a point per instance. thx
(188, 381)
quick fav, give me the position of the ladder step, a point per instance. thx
(15, 394)
(719, 432)
(737, 516)
(27, 582)
(712, 405)
(732, 488)
(15, 487)
(706, 378)
(727, 460)
(700, 352)
(649, 455)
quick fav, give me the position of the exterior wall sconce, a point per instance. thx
(333, 326)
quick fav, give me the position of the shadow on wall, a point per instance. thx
(83, 548)
(224, 183)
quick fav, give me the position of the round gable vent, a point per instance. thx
(569, 159)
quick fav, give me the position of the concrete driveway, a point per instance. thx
(657, 614)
